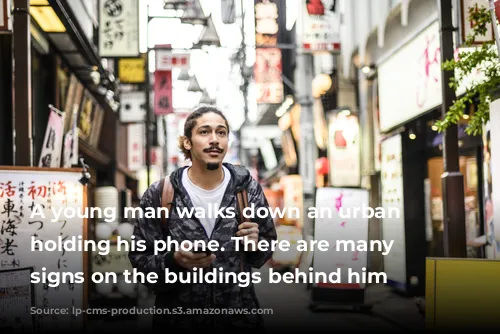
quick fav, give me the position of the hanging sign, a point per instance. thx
(133, 107)
(119, 28)
(163, 93)
(467, 26)
(132, 70)
(52, 144)
(321, 26)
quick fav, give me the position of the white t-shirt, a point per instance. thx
(209, 200)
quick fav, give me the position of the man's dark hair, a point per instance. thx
(191, 122)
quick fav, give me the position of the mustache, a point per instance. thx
(213, 148)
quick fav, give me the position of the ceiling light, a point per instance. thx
(46, 17)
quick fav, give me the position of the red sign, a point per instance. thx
(166, 60)
(267, 74)
(163, 93)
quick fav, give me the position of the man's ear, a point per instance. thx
(187, 143)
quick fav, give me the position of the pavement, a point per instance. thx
(290, 312)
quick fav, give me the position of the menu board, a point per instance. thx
(393, 228)
(16, 299)
(330, 226)
(24, 191)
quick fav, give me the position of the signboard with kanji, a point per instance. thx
(321, 26)
(119, 28)
(167, 61)
(38, 211)
(163, 93)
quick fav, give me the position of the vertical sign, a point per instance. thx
(27, 201)
(119, 28)
(392, 197)
(337, 220)
(344, 151)
(494, 228)
(467, 26)
(321, 28)
(52, 144)
(163, 93)
(268, 63)
(135, 150)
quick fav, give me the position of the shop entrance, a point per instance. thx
(470, 162)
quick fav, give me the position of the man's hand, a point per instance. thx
(190, 260)
(250, 233)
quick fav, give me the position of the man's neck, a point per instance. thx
(204, 178)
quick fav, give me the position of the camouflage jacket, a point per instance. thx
(193, 297)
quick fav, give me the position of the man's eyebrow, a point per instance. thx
(208, 126)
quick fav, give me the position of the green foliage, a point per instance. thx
(483, 58)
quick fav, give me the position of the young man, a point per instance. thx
(225, 304)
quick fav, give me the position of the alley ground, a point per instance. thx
(291, 312)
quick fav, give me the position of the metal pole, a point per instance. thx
(23, 141)
(245, 78)
(307, 148)
(495, 29)
(452, 180)
(148, 106)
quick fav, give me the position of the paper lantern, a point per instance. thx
(103, 231)
(125, 231)
(322, 166)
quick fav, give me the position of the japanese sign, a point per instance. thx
(267, 73)
(268, 65)
(119, 28)
(335, 227)
(135, 149)
(5, 21)
(467, 26)
(163, 93)
(52, 144)
(133, 107)
(321, 26)
(23, 193)
(132, 70)
(266, 23)
(167, 61)
(16, 299)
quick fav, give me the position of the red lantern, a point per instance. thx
(322, 166)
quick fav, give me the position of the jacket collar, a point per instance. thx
(240, 178)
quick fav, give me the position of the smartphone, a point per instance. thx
(208, 252)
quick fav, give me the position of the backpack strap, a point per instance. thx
(242, 197)
(167, 198)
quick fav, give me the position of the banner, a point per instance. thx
(119, 28)
(321, 26)
(70, 150)
(163, 93)
(52, 144)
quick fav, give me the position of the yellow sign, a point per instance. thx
(132, 70)
(462, 294)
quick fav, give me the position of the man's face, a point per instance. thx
(209, 140)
